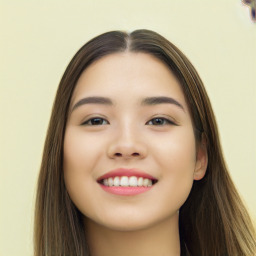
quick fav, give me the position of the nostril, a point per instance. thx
(127, 155)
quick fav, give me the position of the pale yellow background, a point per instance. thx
(38, 39)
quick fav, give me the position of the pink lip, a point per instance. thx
(125, 191)
(126, 172)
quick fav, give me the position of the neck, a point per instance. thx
(161, 239)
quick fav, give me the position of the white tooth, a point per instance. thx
(145, 182)
(105, 182)
(133, 181)
(124, 181)
(116, 181)
(110, 182)
(150, 183)
(140, 181)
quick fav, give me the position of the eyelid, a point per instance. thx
(170, 121)
(94, 117)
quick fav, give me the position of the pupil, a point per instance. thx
(96, 121)
(158, 121)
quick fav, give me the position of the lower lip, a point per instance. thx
(125, 191)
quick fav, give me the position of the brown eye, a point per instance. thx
(96, 121)
(160, 121)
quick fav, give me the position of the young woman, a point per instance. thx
(132, 163)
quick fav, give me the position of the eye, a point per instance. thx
(160, 121)
(96, 121)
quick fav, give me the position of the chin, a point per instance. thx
(134, 221)
(129, 226)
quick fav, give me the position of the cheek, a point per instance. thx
(177, 151)
(176, 157)
(81, 152)
(80, 161)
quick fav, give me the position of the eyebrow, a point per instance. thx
(161, 100)
(149, 101)
(92, 100)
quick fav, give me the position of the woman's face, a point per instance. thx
(128, 113)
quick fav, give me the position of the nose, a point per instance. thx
(127, 144)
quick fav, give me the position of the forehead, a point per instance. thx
(128, 74)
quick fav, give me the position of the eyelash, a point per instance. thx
(165, 120)
(89, 122)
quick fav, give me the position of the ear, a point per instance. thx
(201, 160)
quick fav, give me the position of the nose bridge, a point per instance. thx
(127, 142)
(126, 131)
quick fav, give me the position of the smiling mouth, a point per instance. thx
(125, 181)
(127, 186)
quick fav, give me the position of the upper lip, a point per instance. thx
(126, 172)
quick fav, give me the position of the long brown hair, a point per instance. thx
(213, 220)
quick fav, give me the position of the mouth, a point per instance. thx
(126, 182)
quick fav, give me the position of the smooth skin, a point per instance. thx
(129, 133)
